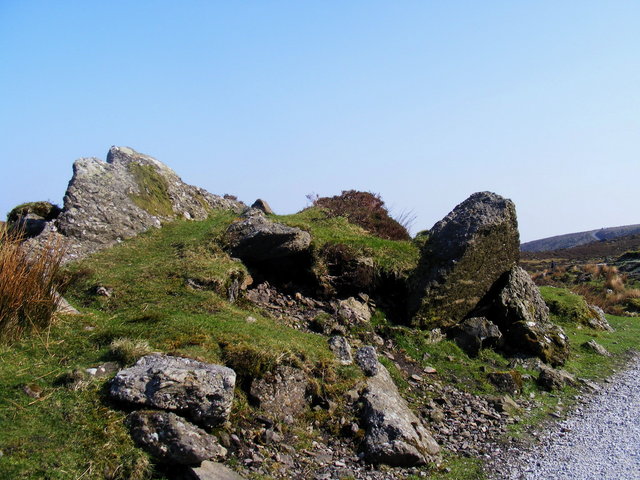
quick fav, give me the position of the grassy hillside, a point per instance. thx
(168, 292)
(571, 240)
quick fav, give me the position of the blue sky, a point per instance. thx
(424, 102)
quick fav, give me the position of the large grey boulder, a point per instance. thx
(258, 239)
(523, 317)
(171, 439)
(107, 202)
(466, 252)
(394, 434)
(201, 391)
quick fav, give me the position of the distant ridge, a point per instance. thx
(570, 240)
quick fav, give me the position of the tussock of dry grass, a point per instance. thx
(28, 285)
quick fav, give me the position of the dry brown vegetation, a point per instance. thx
(28, 285)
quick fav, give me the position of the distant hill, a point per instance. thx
(571, 240)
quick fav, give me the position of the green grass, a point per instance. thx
(396, 256)
(67, 434)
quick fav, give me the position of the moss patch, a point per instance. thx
(154, 190)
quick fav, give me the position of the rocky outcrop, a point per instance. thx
(281, 393)
(171, 439)
(258, 239)
(394, 434)
(201, 391)
(353, 312)
(476, 333)
(31, 218)
(107, 202)
(465, 254)
(523, 317)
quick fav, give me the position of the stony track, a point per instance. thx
(600, 439)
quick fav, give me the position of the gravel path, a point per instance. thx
(600, 440)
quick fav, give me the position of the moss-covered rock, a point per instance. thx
(465, 254)
(44, 210)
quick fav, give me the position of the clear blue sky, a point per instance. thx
(424, 102)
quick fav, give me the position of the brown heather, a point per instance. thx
(28, 285)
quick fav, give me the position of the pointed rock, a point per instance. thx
(466, 252)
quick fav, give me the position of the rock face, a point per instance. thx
(476, 333)
(394, 435)
(523, 317)
(171, 439)
(201, 391)
(258, 239)
(281, 393)
(465, 254)
(130, 193)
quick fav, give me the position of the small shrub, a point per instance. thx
(127, 350)
(366, 210)
(28, 285)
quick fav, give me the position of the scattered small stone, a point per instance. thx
(250, 319)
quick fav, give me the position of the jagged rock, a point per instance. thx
(367, 360)
(476, 333)
(258, 239)
(353, 312)
(341, 349)
(465, 254)
(212, 471)
(509, 382)
(130, 193)
(171, 439)
(202, 391)
(394, 434)
(552, 379)
(281, 393)
(596, 348)
(523, 317)
(597, 320)
(263, 206)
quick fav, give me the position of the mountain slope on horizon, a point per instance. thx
(570, 240)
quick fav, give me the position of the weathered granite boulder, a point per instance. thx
(171, 439)
(261, 204)
(476, 333)
(465, 254)
(394, 434)
(107, 202)
(552, 379)
(258, 239)
(523, 317)
(201, 391)
(281, 393)
(341, 349)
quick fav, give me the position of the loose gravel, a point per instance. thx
(600, 439)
